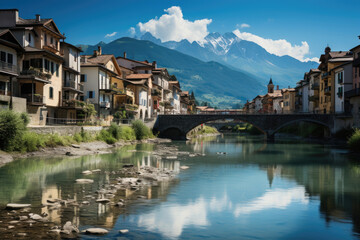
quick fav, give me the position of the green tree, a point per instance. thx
(89, 110)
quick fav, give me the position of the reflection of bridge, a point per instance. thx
(177, 126)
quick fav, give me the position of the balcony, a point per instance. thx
(122, 91)
(315, 86)
(8, 68)
(107, 89)
(352, 93)
(51, 48)
(356, 62)
(105, 104)
(36, 74)
(314, 98)
(72, 103)
(325, 75)
(73, 86)
(327, 90)
(34, 99)
(156, 92)
(129, 107)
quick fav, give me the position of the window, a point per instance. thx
(3, 56)
(52, 69)
(57, 70)
(10, 58)
(51, 92)
(91, 94)
(29, 37)
(51, 40)
(46, 63)
(83, 78)
(26, 64)
(75, 56)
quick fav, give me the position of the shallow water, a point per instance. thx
(257, 190)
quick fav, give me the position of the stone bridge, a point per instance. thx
(177, 126)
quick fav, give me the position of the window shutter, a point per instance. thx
(85, 78)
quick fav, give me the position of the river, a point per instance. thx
(257, 190)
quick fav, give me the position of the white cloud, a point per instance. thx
(109, 35)
(244, 25)
(173, 27)
(132, 31)
(278, 47)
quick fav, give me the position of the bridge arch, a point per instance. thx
(326, 126)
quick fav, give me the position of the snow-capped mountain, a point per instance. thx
(242, 55)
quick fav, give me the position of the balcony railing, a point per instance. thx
(105, 104)
(124, 91)
(51, 47)
(72, 84)
(7, 93)
(315, 86)
(34, 99)
(352, 93)
(129, 107)
(156, 92)
(36, 72)
(8, 67)
(73, 103)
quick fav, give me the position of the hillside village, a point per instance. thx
(50, 79)
(332, 88)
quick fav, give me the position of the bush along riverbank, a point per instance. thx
(354, 141)
(17, 139)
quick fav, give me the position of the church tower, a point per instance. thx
(270, 86)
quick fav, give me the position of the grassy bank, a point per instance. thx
(204, 130)
(246, 128)
(14, 135)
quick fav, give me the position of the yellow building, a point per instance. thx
(328, 62)
(288, 95)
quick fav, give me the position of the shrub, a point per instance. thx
(115, 131)
(106, 137)
(127, 133)
(77, 137)
(141, 130)
(11, 129)
(53, 140)
(253, 130)
(30, 142)
(354, 141)
(25, 117)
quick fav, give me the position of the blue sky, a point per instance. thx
(319, 23)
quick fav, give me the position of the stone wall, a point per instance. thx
(65, 130)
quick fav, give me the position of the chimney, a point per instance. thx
(8, 18)
(154, 64)
(95, 53)
(37, 17)
(124, 54)
(99, 50)
(277, 87)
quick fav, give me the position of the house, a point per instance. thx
(288, 97)
(40, 79)
(141, 85)
(72, 87)
(161, 85)
(174, 99)
(353, 95)
(302, 95)
(343, 83)
(258, 103)
(328, 61)
(314, 82)
(184, 102)
(10, 57)
(101, 76)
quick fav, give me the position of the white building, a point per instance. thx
(258, 103)
(343, 83)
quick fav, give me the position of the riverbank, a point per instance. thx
(81, 149)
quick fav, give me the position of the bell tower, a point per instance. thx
(270, 86)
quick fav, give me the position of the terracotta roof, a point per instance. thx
(101, 59)
(288, 90)
(139, 76)
(42, 21)
(340, 54)
(259, 96)
(354, 48)
(70, 45)
(140, 82)
(344, 59)
(145, 63)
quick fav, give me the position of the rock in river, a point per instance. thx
(70, 227)
(102, 200)
(123, 231)
(84, 180)
(87, 172)
(17, 206)
(184, 167)
(96, 231)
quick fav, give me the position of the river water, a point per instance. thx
(257, 190)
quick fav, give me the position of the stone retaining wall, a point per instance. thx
(65, 130)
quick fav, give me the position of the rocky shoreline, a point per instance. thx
(22, 221)
(82, 149)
